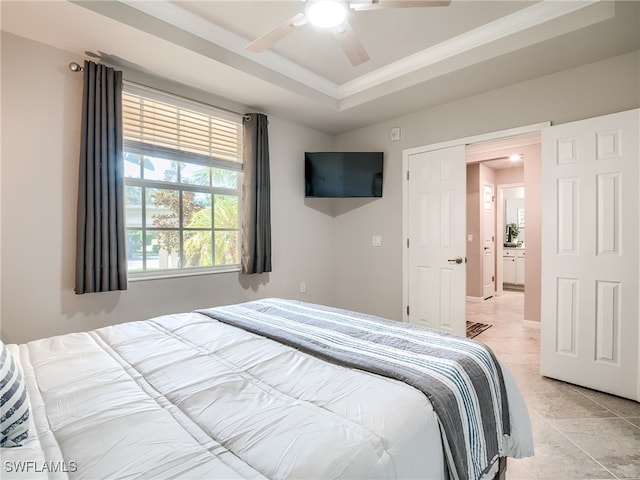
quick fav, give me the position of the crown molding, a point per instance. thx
(498, 37)
(512, 24)
(179, 17)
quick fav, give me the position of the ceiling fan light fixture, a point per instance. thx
(326, 13)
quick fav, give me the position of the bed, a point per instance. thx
(265, 389)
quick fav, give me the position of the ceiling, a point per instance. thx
(419, 57)
(502, 153)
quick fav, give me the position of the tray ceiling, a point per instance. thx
(419, 57)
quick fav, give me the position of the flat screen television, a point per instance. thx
(343, 174)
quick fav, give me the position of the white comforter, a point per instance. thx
(186, 396)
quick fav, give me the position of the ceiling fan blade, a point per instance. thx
(380, 4)
(350, 44)
(269, 39)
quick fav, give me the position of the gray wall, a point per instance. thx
(326, 244)
(40, 144)
(370, 279)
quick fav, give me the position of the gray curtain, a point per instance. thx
(256, 193)
(101, 259)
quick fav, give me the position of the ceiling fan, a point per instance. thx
(332, 14)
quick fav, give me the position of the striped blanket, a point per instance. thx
(461, 377)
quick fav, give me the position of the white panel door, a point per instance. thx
(488, 243)
(590, 289)
(436, 244)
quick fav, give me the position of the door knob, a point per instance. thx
(457, 260)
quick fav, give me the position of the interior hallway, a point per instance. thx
(578, 433)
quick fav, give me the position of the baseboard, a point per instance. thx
(531, 323)
(475, 299)
(513, 287)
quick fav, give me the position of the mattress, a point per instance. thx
(187, 396)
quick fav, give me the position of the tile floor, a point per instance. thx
(578, 433)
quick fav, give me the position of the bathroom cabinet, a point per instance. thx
(513, 266)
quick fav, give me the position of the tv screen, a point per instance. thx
(343, 174)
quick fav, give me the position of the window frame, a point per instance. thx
(181, 157)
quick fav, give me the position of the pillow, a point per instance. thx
(14, 407)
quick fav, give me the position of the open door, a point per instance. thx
(590, 290)
(488, 243)
(436, 243)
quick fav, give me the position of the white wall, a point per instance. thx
(41, 104)
(370, 279)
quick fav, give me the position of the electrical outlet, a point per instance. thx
(376, 241)
(303, 287)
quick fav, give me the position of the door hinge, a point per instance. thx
(493, 278)
(407, 243)
(407, 174)
(407, 310)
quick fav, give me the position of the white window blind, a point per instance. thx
(168, 125)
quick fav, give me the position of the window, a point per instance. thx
(183, 168)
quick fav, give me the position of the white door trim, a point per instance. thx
(499, 242)
(406, 153)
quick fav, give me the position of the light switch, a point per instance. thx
(376, 241)
(395, 134)
(469, 238)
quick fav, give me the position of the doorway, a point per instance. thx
(571, 151)
(512, 227)
(509, 167)
(420, 164)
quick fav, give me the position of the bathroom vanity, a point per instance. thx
(513, 267)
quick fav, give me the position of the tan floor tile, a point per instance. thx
(620, 406)
(578, 433)
(555, 458)
(612, 442)
(557, 400)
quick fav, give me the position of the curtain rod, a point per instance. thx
(76, 67)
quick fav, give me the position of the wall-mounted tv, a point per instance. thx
(343, 174)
